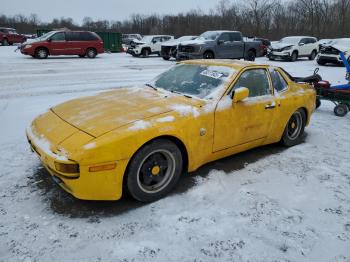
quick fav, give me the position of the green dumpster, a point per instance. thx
(111, 41)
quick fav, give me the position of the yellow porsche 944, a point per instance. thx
(142, 139)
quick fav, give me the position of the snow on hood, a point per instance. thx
(138, 41)
(280, 45)
(341, 48)
(195, 42)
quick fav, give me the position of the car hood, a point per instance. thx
(341, 48)
(99, 114)
(196, 42)
(280, 45)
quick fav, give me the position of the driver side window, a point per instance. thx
(256, 80)
(58, 37)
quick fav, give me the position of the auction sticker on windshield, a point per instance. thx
(212, 74)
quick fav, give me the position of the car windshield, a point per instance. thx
(202, 81)
(341, 42)
(290, 40)
(147, 39)
(210, 35)
(46, 36)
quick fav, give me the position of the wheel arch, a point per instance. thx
(41, 47)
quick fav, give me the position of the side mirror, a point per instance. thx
(240, 94)
(221, 42)
(154, 41)
(301, 44)
(49, 40)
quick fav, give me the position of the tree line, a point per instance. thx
(271, 19)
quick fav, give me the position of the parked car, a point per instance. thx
(329, 52)
(9, 36)
(148, 45)
(81, 43)
(292, 47)
(128, 38)
(142, 139)
(219, 44)
(169, 49)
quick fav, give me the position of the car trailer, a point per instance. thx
(338, 94)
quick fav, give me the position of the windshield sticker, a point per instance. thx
(212, 74)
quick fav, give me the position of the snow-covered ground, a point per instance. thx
(268, 204)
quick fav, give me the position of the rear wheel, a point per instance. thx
(341, 110)
(250, 56)
(293, 133)
(312, 55)
(41, 53)
(154, 170)
(91, 53)
(166, 57)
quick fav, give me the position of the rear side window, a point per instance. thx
(87, 36)
(58, 37)
(73, 36)
(278, 82)
(236, 37)
(256, 80)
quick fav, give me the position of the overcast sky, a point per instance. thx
(99, 9)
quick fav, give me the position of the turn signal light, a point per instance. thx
(67, 168)
(102, 167)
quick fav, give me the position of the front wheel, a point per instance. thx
(318, 102)
(166, 58)
(91, 53)
(294, 57)
(5, 42)
(41, 53)
(208, 55)
(145, 53)
(293, 132)
(321, 62)
(154, 170)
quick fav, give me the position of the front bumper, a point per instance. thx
(330, 58)
(281, 55)
(86, 185)
(133, 51)
(188, 56)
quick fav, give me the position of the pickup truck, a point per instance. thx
(9, 36)
(219, 44)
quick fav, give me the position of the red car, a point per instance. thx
(81, 43)
(9, 36)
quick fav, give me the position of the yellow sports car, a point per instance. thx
(141, 139)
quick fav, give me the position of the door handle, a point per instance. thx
(270, 106)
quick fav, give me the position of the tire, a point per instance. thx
(250, 56)
(81, 56)
(154, 170)
(294, 130)
(145, 52)
(41, 53)
(5, 42)
(294, 57)
(271, 59)
(208, 55)
(341, 110)
(321, 62)
(167, 58)
(312, 55)
(318, 102)
(91, 53)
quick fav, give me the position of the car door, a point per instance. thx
(248, 121)
(303, 47)
(224, 46)
(74, 43)
(57, 44)
(156, 44)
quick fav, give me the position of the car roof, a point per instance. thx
(236, 64)
(300, 36)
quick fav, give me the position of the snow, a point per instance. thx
(138, 125)
(185, 110)
(267, 204)
(166, 119)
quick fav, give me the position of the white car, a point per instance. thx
(149, 44)
(292, 47)
(329, 52)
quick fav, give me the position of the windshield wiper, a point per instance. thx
(177, 92)
(149, 85)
